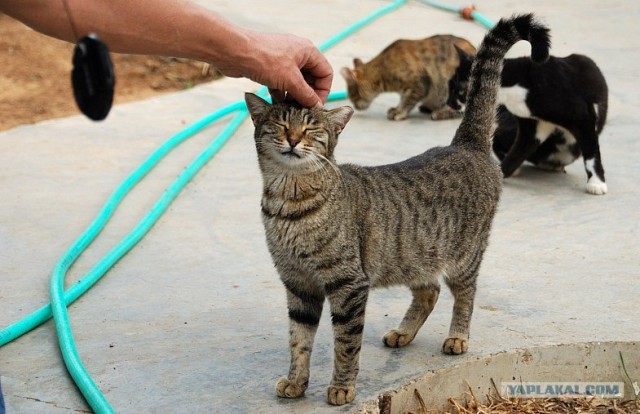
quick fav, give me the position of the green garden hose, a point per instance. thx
(41, 315)
(468, 12)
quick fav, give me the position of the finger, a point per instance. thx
(319, 73)
(303, 93)
(318, 86)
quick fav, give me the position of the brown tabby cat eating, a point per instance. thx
(335, 231)
(419, 70)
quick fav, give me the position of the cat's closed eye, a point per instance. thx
(280, 126)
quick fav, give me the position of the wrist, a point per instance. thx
(229, 48)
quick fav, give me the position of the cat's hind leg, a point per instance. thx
(595, 174)
(433, 104)
(590, 147)
(425, 109)
(305, 308)
(528, 138)
(427, 104)
(463, 288)
(424, 300)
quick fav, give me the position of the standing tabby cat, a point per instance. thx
(335, 231)
(419, 70)
(556, 111)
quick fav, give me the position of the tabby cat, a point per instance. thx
(335, 231)
(419, 70)
(556, 112)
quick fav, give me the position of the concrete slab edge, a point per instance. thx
(575, 363)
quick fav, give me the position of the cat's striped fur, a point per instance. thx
(334, 231)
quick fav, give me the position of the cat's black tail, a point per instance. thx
(476, 129)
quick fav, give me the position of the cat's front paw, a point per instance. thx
(596, 187)
(340, 395)
(396, 339)
(455, 346)
(395, 114)
(446, 113)
(286, 388)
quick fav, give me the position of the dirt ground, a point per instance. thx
(35, 76)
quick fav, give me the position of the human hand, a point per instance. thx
(289, 66)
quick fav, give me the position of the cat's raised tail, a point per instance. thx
(476, 129)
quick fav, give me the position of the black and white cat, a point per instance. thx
(556, 152)
(554, 113)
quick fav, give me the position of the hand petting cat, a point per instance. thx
(291, 66)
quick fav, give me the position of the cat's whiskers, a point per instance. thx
(321, 161)
(326, 175)
(331, 164)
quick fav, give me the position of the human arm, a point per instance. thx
(181, 28)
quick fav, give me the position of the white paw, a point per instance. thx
(596, 187)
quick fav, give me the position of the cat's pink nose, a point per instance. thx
(293, 140)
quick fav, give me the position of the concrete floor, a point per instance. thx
(193, 319)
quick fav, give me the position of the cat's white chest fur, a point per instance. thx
(514, 97)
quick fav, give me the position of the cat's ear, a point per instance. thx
(339, 117)
(357, 62)
(348, 75)
(256, 106)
